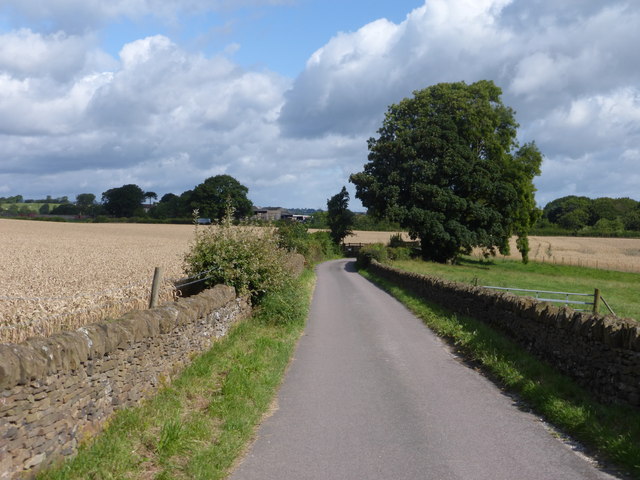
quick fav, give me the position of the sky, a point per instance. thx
(283, 94)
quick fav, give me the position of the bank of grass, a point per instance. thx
(619, 289)
(610, 432)
(196, 427)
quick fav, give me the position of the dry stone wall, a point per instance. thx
(601, 352)
(58, 391)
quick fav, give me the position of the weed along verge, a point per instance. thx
(197, 425)
(610, 431)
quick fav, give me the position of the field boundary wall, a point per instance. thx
(601, 352)
(57, 392)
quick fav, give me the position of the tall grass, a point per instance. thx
(620, 289)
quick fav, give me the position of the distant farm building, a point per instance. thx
(270, 214)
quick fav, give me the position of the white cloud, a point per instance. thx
(166, 118)
(568, 69)
(348, 83)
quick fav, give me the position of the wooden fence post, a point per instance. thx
(155, 287)
(596, 300)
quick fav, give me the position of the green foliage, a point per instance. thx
(447, 167)
(284, 306)
(65, 209)
(86, 203)
(292, 236)
(321, 247)
(213, 195)
(172, 206)
(245, 257)
(399, 253)
(396, 240)
(374, 251)
(608, 227)
(370, 223)
(602, 216)
(318, 220)
(13, 199)
(631, 219)
(339, 217)
(123, 201)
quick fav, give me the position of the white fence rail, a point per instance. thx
(570, 298)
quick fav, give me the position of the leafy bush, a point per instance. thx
(292, 236)
(396, 240)
(375, 251)
(321, 247)
(245, 257)
(284, 306)
(399, 253)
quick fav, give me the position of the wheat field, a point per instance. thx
(621, 254)
(59, 276)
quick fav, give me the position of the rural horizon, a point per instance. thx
(319, 239)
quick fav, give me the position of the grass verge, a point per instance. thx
(196, 427)
(620, 289)
(612, 433)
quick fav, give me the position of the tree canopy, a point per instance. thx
(339, 217)
(85, 202)
(600, 215)
(447, 167)
(213, 196)
(123, 201)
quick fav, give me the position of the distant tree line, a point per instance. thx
(21, 199)
(580, 215)
(209, 199)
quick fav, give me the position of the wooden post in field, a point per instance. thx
(596, 300)
(155, 286)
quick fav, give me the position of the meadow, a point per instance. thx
(620, 289)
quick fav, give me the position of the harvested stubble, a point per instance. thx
(59, 276)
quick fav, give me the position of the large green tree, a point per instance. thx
(123, 201)
(85, 202)
(215, 194)
(339, 217)
(447, 167)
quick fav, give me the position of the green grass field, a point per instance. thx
(621, 290)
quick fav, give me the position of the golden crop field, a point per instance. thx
(58, 276)
(622, 254)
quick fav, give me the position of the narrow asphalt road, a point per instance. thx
(373, 394)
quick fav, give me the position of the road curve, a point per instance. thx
(373, 394)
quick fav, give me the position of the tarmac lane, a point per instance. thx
(373, 394)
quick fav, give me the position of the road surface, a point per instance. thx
(373, 394)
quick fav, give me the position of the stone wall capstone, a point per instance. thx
(602, 353)
(58, 391)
